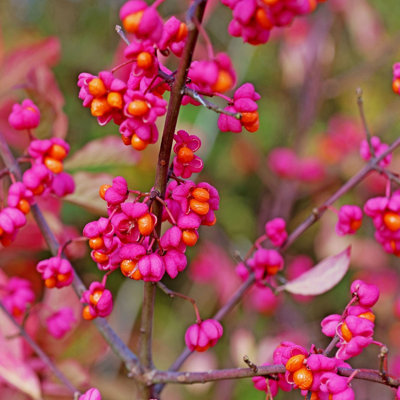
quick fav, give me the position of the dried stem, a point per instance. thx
(43, 356)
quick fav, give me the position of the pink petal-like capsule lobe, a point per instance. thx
(18, 294)
(287, 350)
(349, 220)
(60, 322)
(118, 192)
(99, 300)
(151, 267)
(201, 336)
(276, 231)
(367, 294)
(24, 116)
(329, 324)
(91, 394)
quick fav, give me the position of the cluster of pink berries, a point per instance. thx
(385, 214)
(125, 240)
(45, 175)
(312, 371)
(134, 105)
(253, 20)
(356, 327)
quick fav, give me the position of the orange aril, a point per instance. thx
(263, 20)
(249, 118)
(199, 207)
(392, 221)
(303, 378)
(57, 152)
(99, 107)
(131, 22)
(100, 257)
(103, 189)
(346, 334)
(146, 224)
(114, 99)
(138, 108)
(96, 87)
(137, 143)
(144, 60)
(396, 85)
(53, 165)
(50, 282)
(86, 314)
(368, 315)
(294, 363)
(185, 155)
(182, 32)
(95, 296)
(96, 243)
(201, 194)
(24, 206)
(127, 267)
(189, 237)
(224, 82)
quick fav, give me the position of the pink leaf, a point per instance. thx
(105, 152)
(86, 192)
(323, 277)
(14, 369)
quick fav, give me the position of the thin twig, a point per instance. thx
(360, 104)
(121, 33)
(208, 104)
(173, 294)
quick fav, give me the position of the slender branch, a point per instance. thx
(208, 104)
(353, 181)
(263, 370)
(116, 344)
(43, 356)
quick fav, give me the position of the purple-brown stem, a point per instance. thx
(145, 338)
(262, 370)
